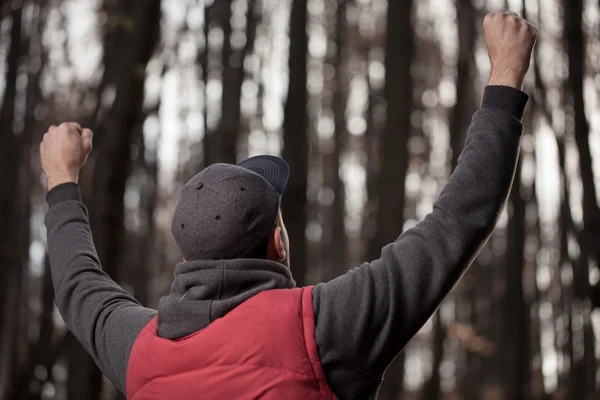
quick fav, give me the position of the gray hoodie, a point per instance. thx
(363, 318)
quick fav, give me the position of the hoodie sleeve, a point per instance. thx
(102, 316)
(365, 317)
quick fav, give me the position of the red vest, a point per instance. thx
(264, 349)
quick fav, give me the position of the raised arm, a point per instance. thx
(101, 315)
(365, 317)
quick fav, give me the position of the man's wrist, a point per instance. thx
(510, 78)
(54, 181)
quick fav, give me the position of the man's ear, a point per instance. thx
(276, 251)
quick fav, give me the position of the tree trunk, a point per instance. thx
(10, 171)
(432, 389)
(4, 8)
(371, 145)
(515, 349)
(221, 145)
(148, 160)
(296, 140)
(464, 107)
(41, 350)
(201, 147)
(585, 369)
(338, 250)
(565, 224)
(113, 163)
(23, 351)
(220, 12)
(398, 93)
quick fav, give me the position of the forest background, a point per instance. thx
(369, 101)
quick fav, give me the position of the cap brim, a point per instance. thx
(275, 170)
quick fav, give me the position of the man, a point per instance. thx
(233, 325)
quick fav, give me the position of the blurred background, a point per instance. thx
(369, 101)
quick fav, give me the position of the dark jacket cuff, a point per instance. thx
(505, 98)
(63, 192)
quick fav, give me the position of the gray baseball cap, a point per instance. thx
(227, 210)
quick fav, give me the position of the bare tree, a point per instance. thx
(338, 249)
(584, 369)
(515, 347)
(398, 93)
(296, 140)
(31, 354)
(220, 145)
(10, 171)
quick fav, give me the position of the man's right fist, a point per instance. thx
(510, 40)
(63, 151)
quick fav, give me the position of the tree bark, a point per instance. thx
(296, 140)
(221, 145)
(515, 349)
(585, 369)
(465, 94)
(148, 164)
(398, 94)
(220, 12)
(432, 389)
(41, 350)
(338, 248)
(10, 232)
(565, 224)
(23, 351)
(371, 145)
(201, 147)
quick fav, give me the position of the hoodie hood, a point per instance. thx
(205, 290)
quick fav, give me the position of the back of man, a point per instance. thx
(233, 324)
(259, 350)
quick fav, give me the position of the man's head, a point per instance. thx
(233, 211)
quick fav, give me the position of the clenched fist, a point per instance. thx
(510, 40)
(64, 151)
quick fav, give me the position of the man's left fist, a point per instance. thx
(63, 151)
